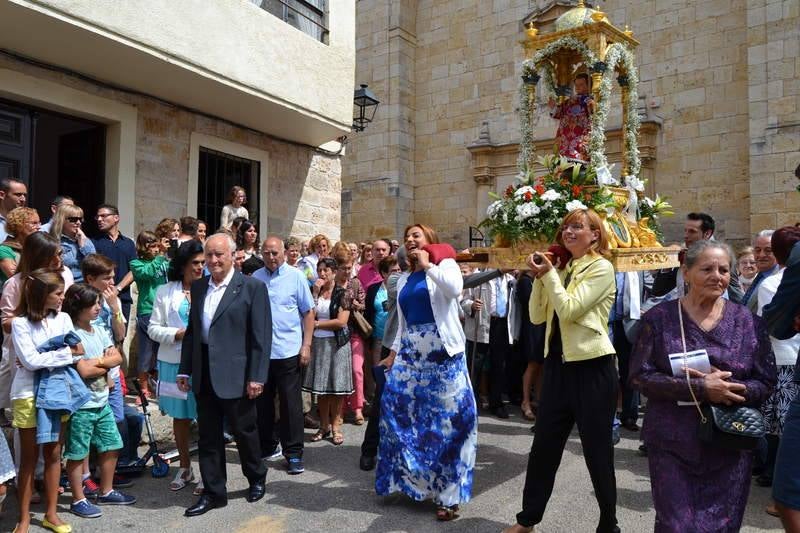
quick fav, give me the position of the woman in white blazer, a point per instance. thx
(428, 412)
(167, 326)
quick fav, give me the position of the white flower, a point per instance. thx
(649, 201)
(551, 196)
(575, 204)
(493, 208)
(526, 211)
(635, 183)
(519, 193)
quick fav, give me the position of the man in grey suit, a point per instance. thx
(226, 351)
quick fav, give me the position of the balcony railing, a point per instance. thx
(307, 16)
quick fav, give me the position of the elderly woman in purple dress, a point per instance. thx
(697, 486)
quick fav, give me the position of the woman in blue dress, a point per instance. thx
(429, 425)
(168, 323)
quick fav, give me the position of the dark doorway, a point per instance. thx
(218, 172)
(53, 154)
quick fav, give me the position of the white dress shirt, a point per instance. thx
(213, 296)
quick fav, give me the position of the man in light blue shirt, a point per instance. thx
(292, 328)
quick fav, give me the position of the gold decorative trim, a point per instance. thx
(623, 259)
(638, 259)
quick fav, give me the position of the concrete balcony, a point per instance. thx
(226, 58)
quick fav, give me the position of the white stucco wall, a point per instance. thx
(238, 41)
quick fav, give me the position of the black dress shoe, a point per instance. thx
(764, 480)
(204, 505)
(256, 491)
(630, 424)
(366, 463)
(500, 412)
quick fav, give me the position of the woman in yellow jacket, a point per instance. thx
(580, 378)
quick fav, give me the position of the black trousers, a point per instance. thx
(284, 380)
(499, 354)
(630, 396)
(241, 415)
(372, 435)
(585, 393)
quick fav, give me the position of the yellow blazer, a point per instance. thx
(582, 306)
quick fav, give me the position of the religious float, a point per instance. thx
(588, 51)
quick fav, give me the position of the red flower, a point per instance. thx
(528, 196)
(576, 191)
(539, 189)
(509, 191)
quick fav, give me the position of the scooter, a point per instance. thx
(160, 466)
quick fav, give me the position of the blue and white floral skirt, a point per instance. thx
(429, 423)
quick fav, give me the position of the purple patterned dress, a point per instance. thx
(697, 487)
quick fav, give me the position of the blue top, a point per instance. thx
(121, 251)
(289, 299)
(183, 312)
(380, 314)
(94, 344)
(73, 255)
(415, 301)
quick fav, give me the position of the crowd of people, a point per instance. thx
(257, 340)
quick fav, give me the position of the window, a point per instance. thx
(307, 16)
(217, 173)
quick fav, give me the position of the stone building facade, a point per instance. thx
(719, 102)
(165, 89)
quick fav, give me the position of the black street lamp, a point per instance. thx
(365, 105)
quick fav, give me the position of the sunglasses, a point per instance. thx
(75, 220)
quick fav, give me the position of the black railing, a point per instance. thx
(477, 238)
(304, 15)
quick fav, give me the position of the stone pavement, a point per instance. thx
(334, 495)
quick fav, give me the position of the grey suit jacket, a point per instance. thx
(239, 339)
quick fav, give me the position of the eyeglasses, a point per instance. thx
(575, 227)
(104, 215)
(75, 220)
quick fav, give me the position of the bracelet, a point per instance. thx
(118, 315)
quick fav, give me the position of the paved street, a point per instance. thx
(334, 495)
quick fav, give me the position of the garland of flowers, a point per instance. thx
(619, 54)
(527, 110)
(589, 57)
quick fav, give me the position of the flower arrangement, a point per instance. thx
(652, 210)
(531, 210)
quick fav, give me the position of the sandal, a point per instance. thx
(198, 489)
(527, 412)
(445, 514)
(182, 478)
(772, 510)
(338, 438)
(319, 435)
